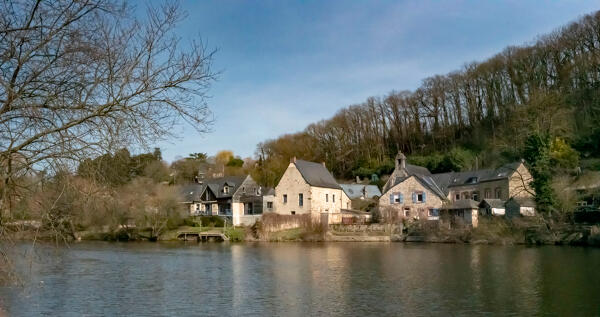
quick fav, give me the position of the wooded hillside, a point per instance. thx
(482, 113)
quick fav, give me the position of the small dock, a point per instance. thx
(206, 236)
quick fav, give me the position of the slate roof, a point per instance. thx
(411, 170)
(492, 202)
(463, 204)
(417, 170)
(268, 191)
(523, 201)
(191, 192)
(446, 180)
(429, 183)
(216, 185)
(315, 174)
(357, 190)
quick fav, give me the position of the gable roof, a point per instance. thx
(216, 185)
(411, 170)
(417, 170)
(357, 190)
(492, 202)
(429, 183)
(316, 174)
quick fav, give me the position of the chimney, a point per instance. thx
(400, 161)
(293, 160)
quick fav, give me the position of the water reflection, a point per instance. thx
(296, 279)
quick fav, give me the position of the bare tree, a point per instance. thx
(84, 77)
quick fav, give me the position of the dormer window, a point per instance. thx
(472, 180)
(226, 189)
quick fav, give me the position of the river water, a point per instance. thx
(304, 279)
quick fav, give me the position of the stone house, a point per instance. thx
(509, 180)
(309, 188)
(236, 198)
(413, 192)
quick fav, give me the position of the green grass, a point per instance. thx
(294, 234)
(235, 234)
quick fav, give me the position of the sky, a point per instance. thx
(286, 64)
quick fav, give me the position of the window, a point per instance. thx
(243, 189)
(333, 198)
(326, 198)
(487, 193)
(434, 212)
(476, 196)
(248, 209)
(269, 205)
(498, 192)
(471, 180)
(397, 198)
(419, 197)
(293, 212)
(457, 197)
(300, 200)
(466, 195)
(284, 198)
(406, 212)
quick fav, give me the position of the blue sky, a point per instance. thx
(286, 64)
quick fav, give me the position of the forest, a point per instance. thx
(480, 115)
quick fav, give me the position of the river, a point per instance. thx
(304, 279)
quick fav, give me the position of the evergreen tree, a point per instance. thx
(537, 156)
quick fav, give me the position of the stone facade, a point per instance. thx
(413, 192)
(514, 185)
(294, 196)
(412, 200)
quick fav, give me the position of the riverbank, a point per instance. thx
(492, 231)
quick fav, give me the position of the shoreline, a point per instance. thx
(566, 235)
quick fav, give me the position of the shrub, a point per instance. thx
(190, 222)
(212, 221)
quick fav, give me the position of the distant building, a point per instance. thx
(309, 188)
(492, 207)
(413, 192)
(520, 206)
(268, 199)
(462, 212)
(237, 198)
(360, 191)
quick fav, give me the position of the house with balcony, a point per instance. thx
(236, 198)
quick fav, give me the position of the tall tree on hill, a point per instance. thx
(537, 156)
(549, 87)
